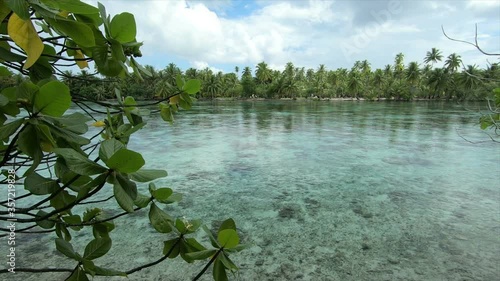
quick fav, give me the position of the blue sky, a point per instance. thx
(222, 34)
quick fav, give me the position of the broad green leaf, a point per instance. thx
(179, 81)
(125, 193)
(228, 238)
(175, 197)
(28, 143)
(166, 114)
(25, 36)
(79, 32)
(77, 7)
(8, 129)
(159, 219)
(7, 55)
(53, 99)
(213, 241)
(74, 122)
(79, 163)
(61, 200)
(66, 249)
(162, 194)
(41, 70)
(91, 214)
(73, 219)
(125, 161)
(39, 185)
(97, 248)
(45, 224)
(146, 175)
(5, 10)
(142, 201)
(26, 91)
(117, 50)
(228, 224)
(228, 263)
(122, 27)
(20, 7)
(78, 275)
(108, 148)
(192, 86)
(167, 247)
(4, 72)
(219, 271)
(180, 225)
(201, 255)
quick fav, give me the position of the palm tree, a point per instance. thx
(453, 62)
(263, 73)
(433, 56)
(413, 73)
(438, 81)
(399, 66)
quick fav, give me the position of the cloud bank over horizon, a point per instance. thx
(222, 34)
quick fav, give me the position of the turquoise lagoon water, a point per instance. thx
(324, 191)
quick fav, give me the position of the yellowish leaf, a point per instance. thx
(24, 35)
(174, 100)
(46, 146)
(81, 63)
(99, 124)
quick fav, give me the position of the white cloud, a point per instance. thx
(306, 33)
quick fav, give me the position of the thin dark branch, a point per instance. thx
(157, 261)
(208, 265)
(475, 44)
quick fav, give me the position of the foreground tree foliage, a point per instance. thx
(61, 166)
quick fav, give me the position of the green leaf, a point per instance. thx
(91, 214)
(45, 224)
(142, 201)
(175, 197)
(97, 248)
(78, 275)
(4, 72)
(79, 32)
(227, 224)
(39, 185)
(179, 81)
(201, 255)
(125, 193)
(79, 163)
(166, 113)
(228, 238)
(125, 161)
(53, 99)
(219, 271)
(61, 200)
(146, 175)
(66, 249)
(77, 7)
(74, 122)
(192, 86)
(122, 27)
(162, 194)
(20, 7)
(8, 129)
(74, 219)
(7, 55)
(167, 245)
(117, 50)
(62, 232)
(213, 241)
(160, 220)
(108, 148)
(228, 263)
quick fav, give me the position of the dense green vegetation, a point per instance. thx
(53, 166)
(398, 81)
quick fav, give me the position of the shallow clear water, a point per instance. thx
(328, 190)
